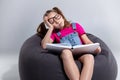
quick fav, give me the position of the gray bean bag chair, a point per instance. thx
(38, 64)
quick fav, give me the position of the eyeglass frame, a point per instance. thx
(54, 18)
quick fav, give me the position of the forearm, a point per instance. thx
(47, 38)
(86, 40)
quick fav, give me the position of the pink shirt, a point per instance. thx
(67, 30)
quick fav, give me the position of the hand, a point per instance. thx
(98, 50)
(47, 23)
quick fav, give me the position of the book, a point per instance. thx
(85, 48)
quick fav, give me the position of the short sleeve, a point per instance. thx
(80, 29)
(52, 36)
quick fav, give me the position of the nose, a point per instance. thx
(56, 21)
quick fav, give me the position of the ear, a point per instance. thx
(46, 26)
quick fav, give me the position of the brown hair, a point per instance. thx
(41, 30)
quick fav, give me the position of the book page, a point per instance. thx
(87, 48)
(58, 46)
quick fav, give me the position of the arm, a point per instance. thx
(47, 38)
(86, 40)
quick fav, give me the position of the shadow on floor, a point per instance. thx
(11, 74)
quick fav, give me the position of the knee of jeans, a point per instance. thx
(66, 54)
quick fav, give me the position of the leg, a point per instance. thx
(88, 65)
(69, 64)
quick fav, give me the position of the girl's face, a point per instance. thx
(56, 20)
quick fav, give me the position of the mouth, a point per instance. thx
(60, 24)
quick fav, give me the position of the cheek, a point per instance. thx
(62, 19)
(62, 22)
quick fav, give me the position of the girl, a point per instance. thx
(57, 23)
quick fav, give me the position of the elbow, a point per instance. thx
(43, 45)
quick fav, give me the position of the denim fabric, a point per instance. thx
(72, 39)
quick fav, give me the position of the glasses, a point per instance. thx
(52, 19)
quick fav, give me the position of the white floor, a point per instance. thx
(9, 66)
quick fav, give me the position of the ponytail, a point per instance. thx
(41, 30)
(56, 9)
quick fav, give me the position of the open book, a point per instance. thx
(86, 48)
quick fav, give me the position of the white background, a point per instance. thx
(19, 20)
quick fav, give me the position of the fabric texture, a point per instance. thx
(36, 63)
